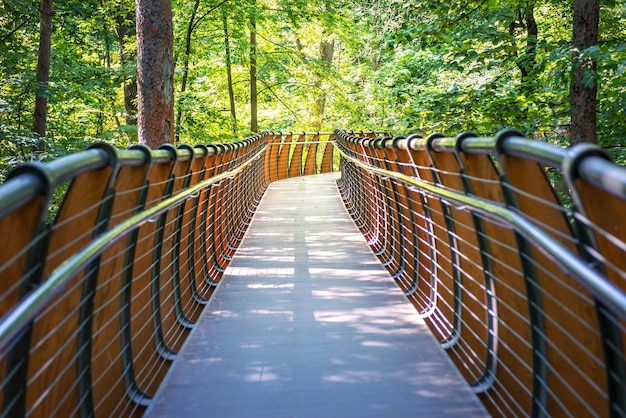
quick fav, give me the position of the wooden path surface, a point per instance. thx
(306, 323)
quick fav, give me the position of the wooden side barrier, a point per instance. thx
(504, 275)
(300, 154)
(62, 324)
(468, 345)
(528, 294)
(98, 334)
(524, 291)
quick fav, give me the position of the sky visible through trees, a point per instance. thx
(295, 65)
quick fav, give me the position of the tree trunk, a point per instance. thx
(229, 75)
(183, 84)
(327, 52)
(155, 72)
(43, 72)
(584, 88)
(125, 27)
(254, 121)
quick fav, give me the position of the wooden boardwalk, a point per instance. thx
(306, 323)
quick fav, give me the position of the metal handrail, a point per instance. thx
(593, 281)
(32, 304)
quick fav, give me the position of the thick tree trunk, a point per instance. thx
(43, 71)
(155, 72)
(254, 120)
(583, 90)
(229, 75)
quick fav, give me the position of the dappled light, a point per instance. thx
(323, 325)
(449, 276)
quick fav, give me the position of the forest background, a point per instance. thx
(400, 66)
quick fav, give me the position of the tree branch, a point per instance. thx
(18, 27)
(208, 12)
(280, 100)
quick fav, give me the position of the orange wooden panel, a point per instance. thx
(150, 366)
(514, 354)
(174, 332)
(191, 269)
(52, 372)
(283, 156)
(431, 241)
(311, 156)
(109, 394)
(470, 353)
(416, 243)
(21, 225)
(394, 229)
(571, 322)
(295, 159)
(273, 150)
(327, 158)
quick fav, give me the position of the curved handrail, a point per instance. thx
(614, 297)
(515, 259)
(34, 303)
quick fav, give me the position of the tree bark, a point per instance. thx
(583, 89)
(229, 75)
(254, 120)
(155, 72)
(43, 72)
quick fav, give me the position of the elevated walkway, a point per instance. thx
(307, 323)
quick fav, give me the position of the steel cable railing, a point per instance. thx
(97, 301)
(100, 291)
(524, 290)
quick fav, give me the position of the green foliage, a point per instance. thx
(397, 65)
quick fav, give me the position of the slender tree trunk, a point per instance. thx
(155, 72)
(327, 52)
(525, 19)
(583, 89)
(186, 56)
(43, 72)
(107, 63)
(254, 121)
(124, 28)
(229, 75)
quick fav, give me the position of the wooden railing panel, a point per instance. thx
(570, 314)
(439, 290)
(471, 351)
(151, 357)
(514, 343)
(52, 368)
(284, 155)
(310, 162)
(107, 351)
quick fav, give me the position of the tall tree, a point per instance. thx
(584, 86)
(186, 58)
(327, 52)
(125, 28)
(229, 72)
(43, 71)
(254, 119)
(155, 72)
